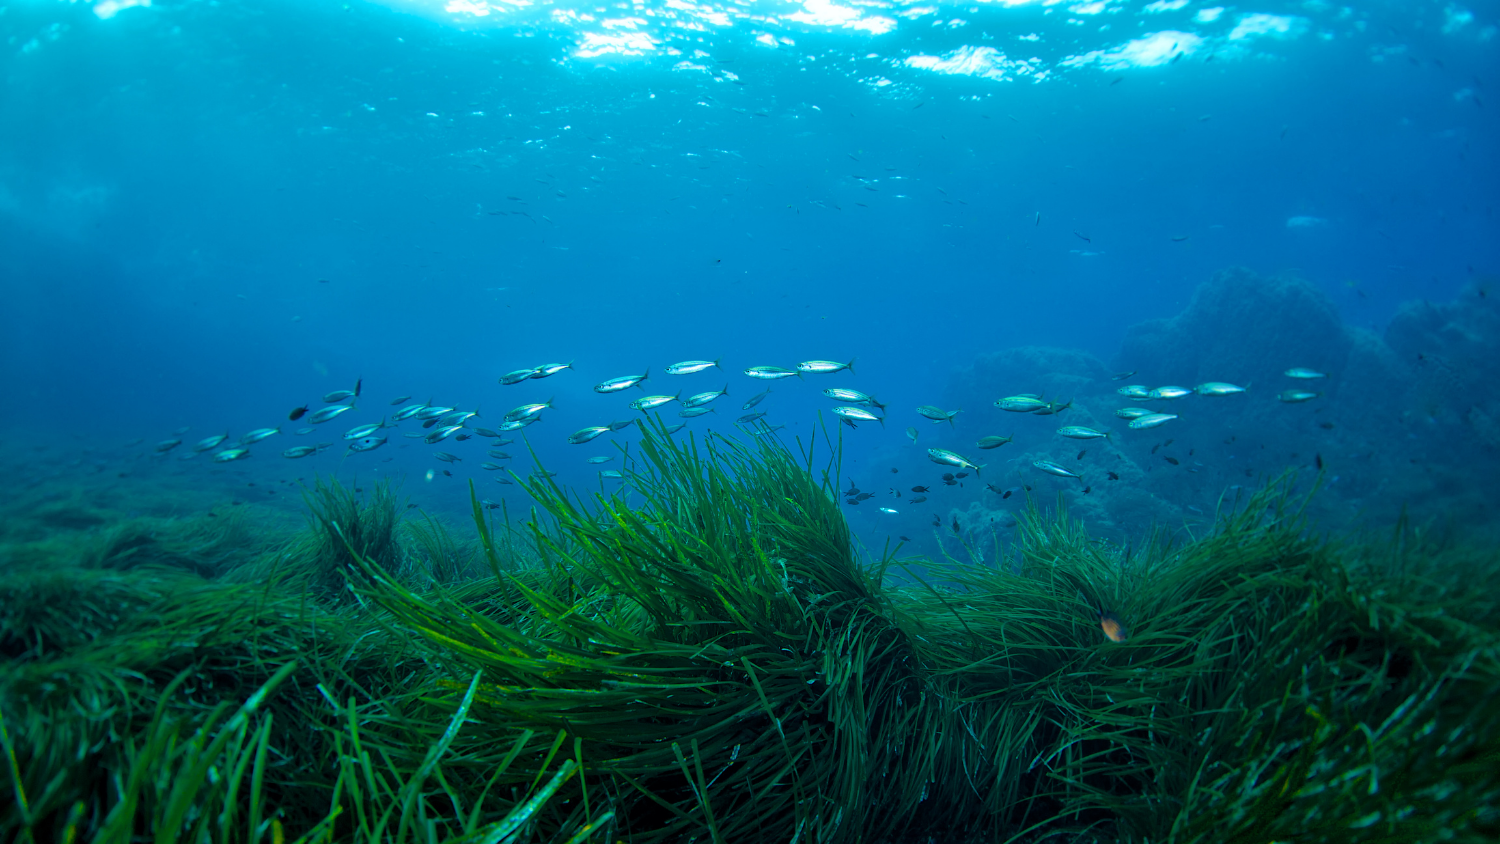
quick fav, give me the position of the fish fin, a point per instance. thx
(716, 363)
(850, 365)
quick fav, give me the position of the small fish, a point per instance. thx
(1008, 493)
(852, 396)
(549, 369)
(1304, 373)
(771, 373)
(694, 412)
(612, 474)
(358, 383)
(1152, 420)
(398, 400)
(409, 411)
(704, 398)
(948, 458)
(750, 417)
(490, 466)
(1318, 460)
(301, 451)
(755, 400)
(485, 432)
(1113, 627)
(583, 435)
(1082, 237)
(359, 432)
(297, 413)
(825, 367)
(1155, 447)
(919, 489)
(672, 429)
(1113, 476)
(231, 454)
(517, 376)
(258, 434)
(528, 411)
(1135, 391)
(1169, 393)
(688, 367)
(441, 434)
(650, 402)
(1020, 404)
(1081, 454)
(518, 424)
(937, 414)
(615, 385)
(1217, 388)
(1121, 376)
(1171, 460)
(1292, 396)
(488, 504)
(432, 412)
(621, 424)
(506, 481)
(446, 457)
(889, 510)
(1087, 490)
(1053, 469)
(368, 444)
(1132, 412)
(457, 417)
(917, 499)
(338, 395)
(859, 413)
(498, 454)
(1079, 432)
(305, 431)
(936, 522)
(1053, 407)
(911, 434)
(604, 459)
(328, 413)
(209, 442)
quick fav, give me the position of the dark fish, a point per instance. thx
(894, 470)
(1155, 447)
(950, 482)
(995, 488)
(961, 475)
(904, 538)
(1082, 453)
(430, 422)
(936, 522)
(851, 501)
(853, 490)
(1318, 459)
(1325, 425)
(919, 489)
(297, 413)
(1006, 494)
(1087, 490)
(1179, 238)
(947, 476)
(358, 383)
(865, 495)
(1171, 460)
(1083, 238)
(1113, 476)
(917, 499)
(1121, 376)
(954, 526)
(1167, 443)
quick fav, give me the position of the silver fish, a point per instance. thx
(859, 413)
(328, 413)
(548, 369)
(432, 412)
(305, 431)
(583, 435)
(1217, 388)
(491, 466)
(398, 400)
(694, 412)
(852, 396)
(440, 434)
(1121, 376)
(517, 376)
(255, 436)
(502, 441)
(1053, 469)
(1152, 420)
(1292, 396)
(518, 424)
(621, 424)
(457, 417)
(615, 385)
(209, 442)
(612, 474)
(409, 411)
(359, 432)
(1132, 412)
(948, 458)
(704, 398)
(446, 457)
(338, 395)
(751, 417)
(1169, 393)
(1079, 432)
(231, 454)
(672, 429)
(604, 459)
(527, 411)
(688, 367)
(302, 451)
(771, 373)
(890, 511)
(755, 400)
(1135, 391)
(498, 454)
(993, 442)
(650, 402)
(937, 414)
(825, 367)
(911, 433)
(368, 443)
(1020, 404)
(1304, 373)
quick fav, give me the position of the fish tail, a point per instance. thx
(850, 365)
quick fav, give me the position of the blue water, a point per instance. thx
(212, 213)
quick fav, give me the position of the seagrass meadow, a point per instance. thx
(721, 663)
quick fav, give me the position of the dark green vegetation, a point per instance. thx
(717, 665)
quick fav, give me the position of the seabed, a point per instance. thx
(723, 664)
